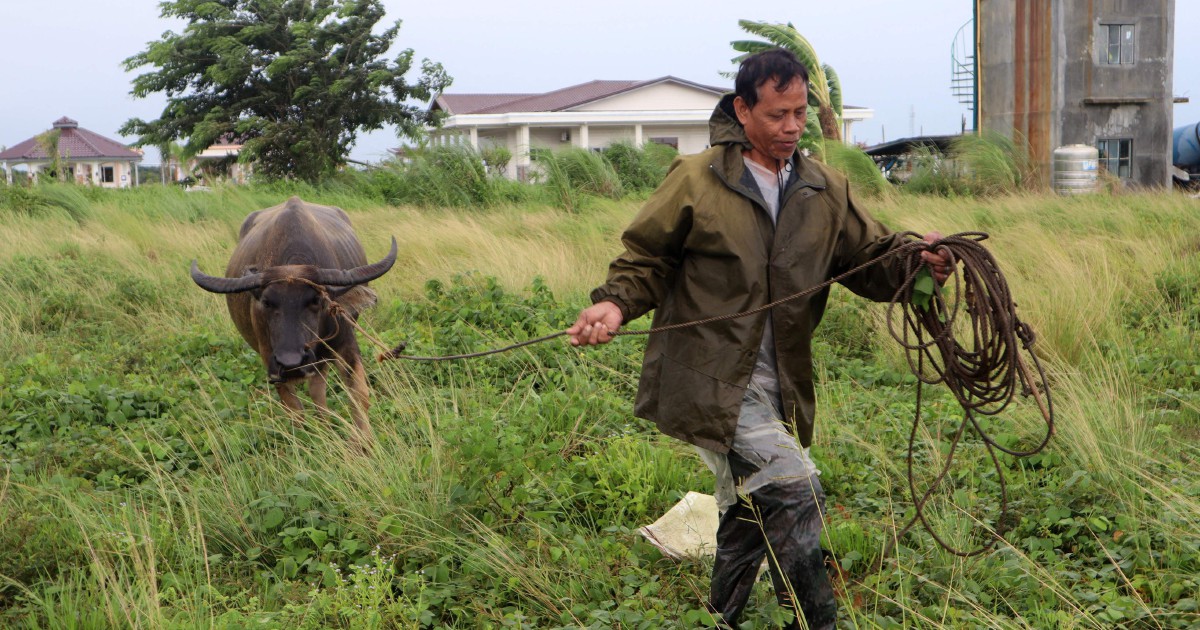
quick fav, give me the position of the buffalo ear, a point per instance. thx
(336, 292)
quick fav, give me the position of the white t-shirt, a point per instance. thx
(765, 373)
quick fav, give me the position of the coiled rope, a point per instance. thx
(982, 372)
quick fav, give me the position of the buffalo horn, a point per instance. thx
(357, 275)
(225, 285)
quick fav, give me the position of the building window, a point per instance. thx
(1117, 46)
(670, 141)
(106, 174)
(1116, 156)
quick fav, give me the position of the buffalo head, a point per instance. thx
(290, 308)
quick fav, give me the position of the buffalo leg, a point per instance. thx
(355, 378)
(318, 386)
(287, 393)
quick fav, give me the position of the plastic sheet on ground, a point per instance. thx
(687, 530)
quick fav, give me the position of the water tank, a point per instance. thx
(1185, 152)
(1075, 169)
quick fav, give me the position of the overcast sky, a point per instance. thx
(64, 56)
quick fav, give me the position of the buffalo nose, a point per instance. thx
(290, 360)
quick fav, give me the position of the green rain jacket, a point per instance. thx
(704, 245)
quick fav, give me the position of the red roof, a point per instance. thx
(74, 143)
(556, 101)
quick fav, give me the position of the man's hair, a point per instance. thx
(777, 64)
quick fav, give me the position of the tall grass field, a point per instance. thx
(149, 477)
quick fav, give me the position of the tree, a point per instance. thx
(294, 81)
(48, 142)
(824, 88)
(174, 156)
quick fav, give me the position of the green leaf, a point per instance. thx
(923, 289)
(272, 518)
(317, 536)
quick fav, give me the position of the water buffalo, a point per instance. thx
(298, 271)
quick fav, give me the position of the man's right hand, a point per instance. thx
(596, 324)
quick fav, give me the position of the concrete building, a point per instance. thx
(591, 115)
(1094, 72)
(88, 157)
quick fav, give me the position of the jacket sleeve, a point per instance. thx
(639, 278)
(862, 238)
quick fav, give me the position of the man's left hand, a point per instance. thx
(939, 262)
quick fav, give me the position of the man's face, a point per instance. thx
(776, 121)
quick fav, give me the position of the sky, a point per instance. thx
(65, 56)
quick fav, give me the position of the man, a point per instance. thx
(746, 222)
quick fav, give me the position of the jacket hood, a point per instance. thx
(723, 125)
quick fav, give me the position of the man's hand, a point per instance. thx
(937, 261)
(596, 324)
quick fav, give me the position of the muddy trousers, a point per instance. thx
(781, 522)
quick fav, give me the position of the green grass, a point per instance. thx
(978, 165)
(149, 477)
(858, 167)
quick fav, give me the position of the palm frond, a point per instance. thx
(811, 139)
(835, 89)
(749, 47)
(786, 36)
(812, 124)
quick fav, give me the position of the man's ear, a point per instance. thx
(741, 109)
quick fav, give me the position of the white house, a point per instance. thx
(592, 115)
(88, 157)
(220, 161)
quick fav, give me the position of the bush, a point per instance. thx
(46, 199)
(571, 173)
(496, 159)
(858, 167)
(995, 164)
(933, 174)
(444, 176)
(983, 164)
(640, 170)
(20, 199)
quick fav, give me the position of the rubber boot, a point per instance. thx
(789, 514)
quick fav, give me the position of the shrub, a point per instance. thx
(643, 169)
(437, 176)
(572, 173)
(46, 199)
(933, 174)
(858, 167)
(496, 159)
(21, 199)
(995, 164)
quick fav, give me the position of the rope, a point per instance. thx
(982, 375)
(906, 248)
(394, 353)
